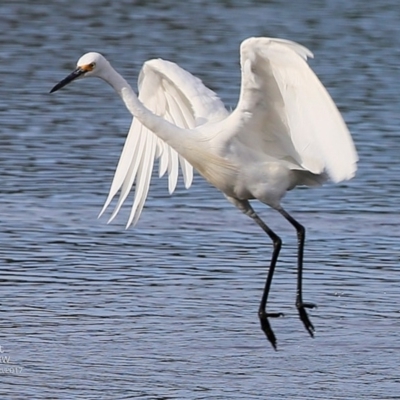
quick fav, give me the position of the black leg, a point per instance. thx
(300, 304)
(262, 313)
(245, 207)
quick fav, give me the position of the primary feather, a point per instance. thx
(180, 98)
(289, 112)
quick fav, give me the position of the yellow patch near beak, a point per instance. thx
(87, 67)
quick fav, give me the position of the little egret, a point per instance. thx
(285, 131)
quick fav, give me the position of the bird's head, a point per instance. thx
(90, 64)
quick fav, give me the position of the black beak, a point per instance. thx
(72, 76)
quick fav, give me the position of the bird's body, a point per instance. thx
(285, 131)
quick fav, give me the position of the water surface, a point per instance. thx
(168, 310)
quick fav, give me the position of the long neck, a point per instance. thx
(173, 135)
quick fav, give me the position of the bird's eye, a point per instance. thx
(92, 65)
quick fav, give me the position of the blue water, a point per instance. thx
(168, 310)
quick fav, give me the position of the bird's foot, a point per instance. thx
(266, 327)
(304, 317)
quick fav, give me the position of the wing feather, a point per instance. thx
(162, 155)
(182, 99)
(131, 170)
(289, 111)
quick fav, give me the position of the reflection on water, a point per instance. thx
(168, 309)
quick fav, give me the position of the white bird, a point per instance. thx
(285, 131)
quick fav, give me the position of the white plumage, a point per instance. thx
(178, 97)
(285, 131)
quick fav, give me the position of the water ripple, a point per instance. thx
(168, 310)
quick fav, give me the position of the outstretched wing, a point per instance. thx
(289, 112)
(182, 99)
